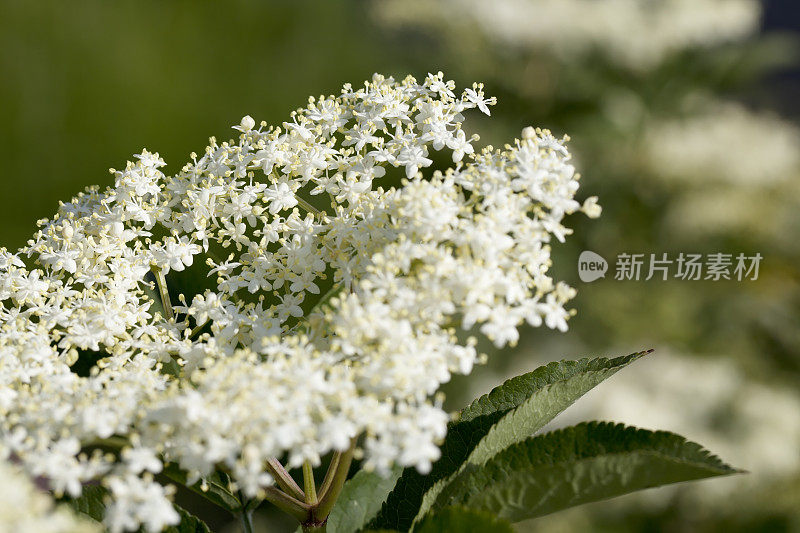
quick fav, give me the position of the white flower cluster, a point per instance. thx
(24, 508)
(633, 33)
(305, 326)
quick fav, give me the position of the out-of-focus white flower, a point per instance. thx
(24, 508)
(724, 142)
(633, 33)
(138, 501)
(731, 171)
(772, 215)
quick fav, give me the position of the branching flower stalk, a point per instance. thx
(339, 325)
(309, 507)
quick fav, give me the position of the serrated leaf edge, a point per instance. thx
(605, 365)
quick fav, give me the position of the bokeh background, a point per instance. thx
(684, 120)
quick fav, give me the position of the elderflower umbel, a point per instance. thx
(290, 329)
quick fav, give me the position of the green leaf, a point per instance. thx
(216, 487)
(585, 463)
(360, 500)
(188, 524)
(510, 413)
(530, 401)
(90, 502)
(463, 520)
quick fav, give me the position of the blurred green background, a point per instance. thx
(682, 117)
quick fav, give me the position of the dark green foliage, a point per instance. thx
(539, 396)
(588, 462)
(463, 520)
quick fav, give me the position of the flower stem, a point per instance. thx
(334, 487)
(163, 292)
(246, 518)
(196, 331)
(308, 484)
(310, 508)
(307, 206)
(287, 504)
(284, 479)
(329, 475)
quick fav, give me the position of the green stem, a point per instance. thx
(287, 504)
(308, 483)
(307, 206)
(161, 281)
(285, 480)
(329, 475)
(313, 512)
(196, 331)
(334, 488)
(246, 518)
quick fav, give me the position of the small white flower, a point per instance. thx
(413, 157)
(141, 460)
(280, 197)
(246, 124)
